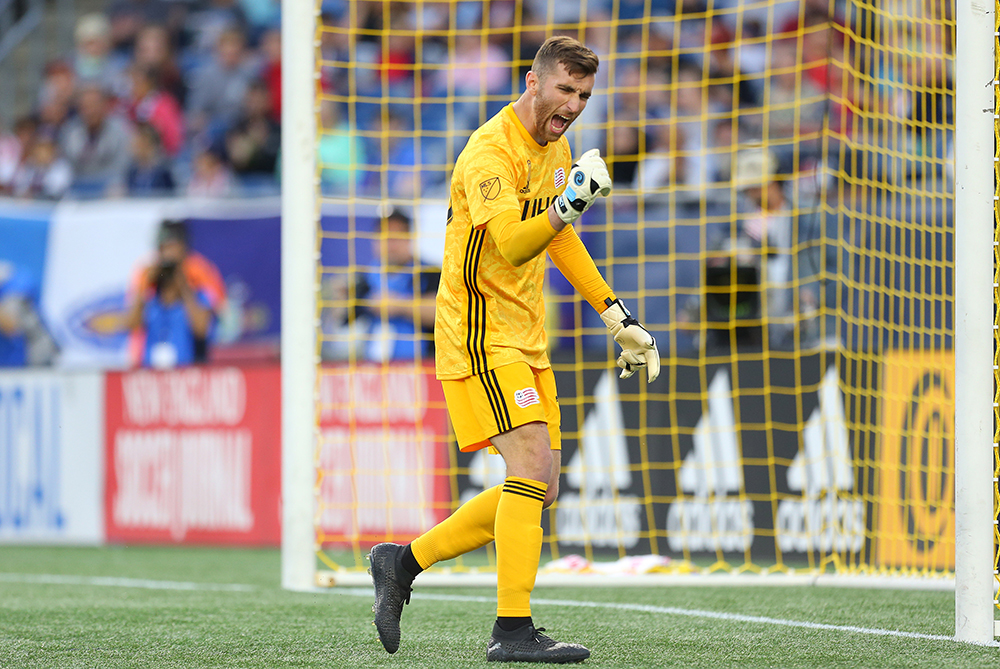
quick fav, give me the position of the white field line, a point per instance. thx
(668, 610)
(107, 581)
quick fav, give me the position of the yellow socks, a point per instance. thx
(519, 544)
(511, 514)
(469, 528)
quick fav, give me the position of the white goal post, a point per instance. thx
(975, 85)
(299, 219)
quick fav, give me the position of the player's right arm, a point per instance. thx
(519, 241)
(491, 192)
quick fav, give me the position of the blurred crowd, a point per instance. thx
(184, 96)
(154, 97)
(682, 84)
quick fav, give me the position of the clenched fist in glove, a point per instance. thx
(588, 178)
(638, 346)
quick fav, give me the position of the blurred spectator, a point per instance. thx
(148, 174)
(724, 140)
(395, 59)
(350, 64)
(129, 17)
(220, 86)
(397, 298)
(390, 146)
(153, 50)
(270, 68)
(701, 31)
(43, 173)
(623, 154)
(795, 104)
(533, 34)
(680, 145)
(758, 19)
(253, 143)
(210, 20)
(764, 238)
(752, 264)
(58, 85)
(149, 103)
(14, 148)
(261, 14)
(173, 315)
(53, 114)
(174, 329)
(476, 66)
(663, 164)
(211, 176)
(94, 60)
(24, 339)
(401, 164)
(96, 142)
(341, 151)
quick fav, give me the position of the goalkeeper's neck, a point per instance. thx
(524, 112)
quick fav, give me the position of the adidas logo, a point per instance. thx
(827, 515)
(714, 518)
(597, 512)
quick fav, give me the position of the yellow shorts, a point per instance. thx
(499, 400)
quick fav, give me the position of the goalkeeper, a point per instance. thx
(515, 194)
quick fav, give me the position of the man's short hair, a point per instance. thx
(398, 215)
(172, 230)
(579, 60)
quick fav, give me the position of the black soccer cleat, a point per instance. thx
(392, 590)
(527, 644)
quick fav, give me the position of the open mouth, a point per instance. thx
(558, 123)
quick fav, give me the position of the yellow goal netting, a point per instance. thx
(781, 221)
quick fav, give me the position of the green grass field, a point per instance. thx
(193, 607)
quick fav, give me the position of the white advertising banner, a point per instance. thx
(93, 249)
(51, 457)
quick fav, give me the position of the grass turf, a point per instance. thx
(82, 624)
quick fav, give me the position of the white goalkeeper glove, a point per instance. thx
(588, 178)
(638, 346)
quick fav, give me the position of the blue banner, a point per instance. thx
(248, 255)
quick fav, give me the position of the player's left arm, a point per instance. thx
(571, 257)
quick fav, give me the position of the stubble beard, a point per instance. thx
(543, 114)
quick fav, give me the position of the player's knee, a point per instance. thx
(551, 494)
(540, 464)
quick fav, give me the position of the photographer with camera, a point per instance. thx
(175, 302)
(174, 316)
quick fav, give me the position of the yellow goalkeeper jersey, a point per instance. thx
(490, 313)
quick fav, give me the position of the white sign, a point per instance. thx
(51, 457)
(93, 249)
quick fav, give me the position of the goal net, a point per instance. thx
(781, 221)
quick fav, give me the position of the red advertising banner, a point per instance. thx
(193, 455)
(384, 457)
